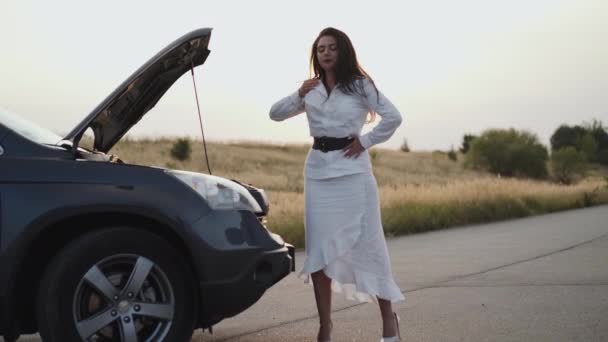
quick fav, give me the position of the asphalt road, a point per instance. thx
(543, 278)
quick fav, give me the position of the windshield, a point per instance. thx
(28, 129)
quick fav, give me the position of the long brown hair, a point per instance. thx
(347, 69)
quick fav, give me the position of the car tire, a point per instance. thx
(72, 299)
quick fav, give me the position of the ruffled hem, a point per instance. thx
(366, 287)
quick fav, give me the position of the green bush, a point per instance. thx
(590, 138)
(602, 157)
(566, 136)
(597, 130)
(600, 137)
(181, 149)
(404, 146)
(568, 164)
(466, 142)
(588, 146)
(509, 153)
(452, 155)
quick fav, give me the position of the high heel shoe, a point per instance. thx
(331, 327)
(397, 337)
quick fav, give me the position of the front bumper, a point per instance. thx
(228, 298)
(292, 254)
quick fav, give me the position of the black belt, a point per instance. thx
(325, 144)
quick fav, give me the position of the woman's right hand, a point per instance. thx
(307, 86)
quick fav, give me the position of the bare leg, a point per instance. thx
(389, 326)
(322, 286)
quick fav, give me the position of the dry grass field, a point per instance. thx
(419, 191)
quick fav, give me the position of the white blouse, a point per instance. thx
(340, 115)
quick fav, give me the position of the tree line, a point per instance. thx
(519, 153)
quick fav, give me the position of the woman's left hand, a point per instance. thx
(354, 149)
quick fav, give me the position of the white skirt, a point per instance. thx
(345, 239)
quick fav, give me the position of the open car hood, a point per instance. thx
(120, 111)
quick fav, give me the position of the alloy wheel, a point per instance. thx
(125, 298)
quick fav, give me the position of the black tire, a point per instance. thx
(66, 300)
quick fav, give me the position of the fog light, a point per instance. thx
(263, 272)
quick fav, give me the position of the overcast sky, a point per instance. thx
(450, 67)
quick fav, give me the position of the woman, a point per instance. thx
(345, 246)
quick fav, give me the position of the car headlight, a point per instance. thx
(220, 193)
